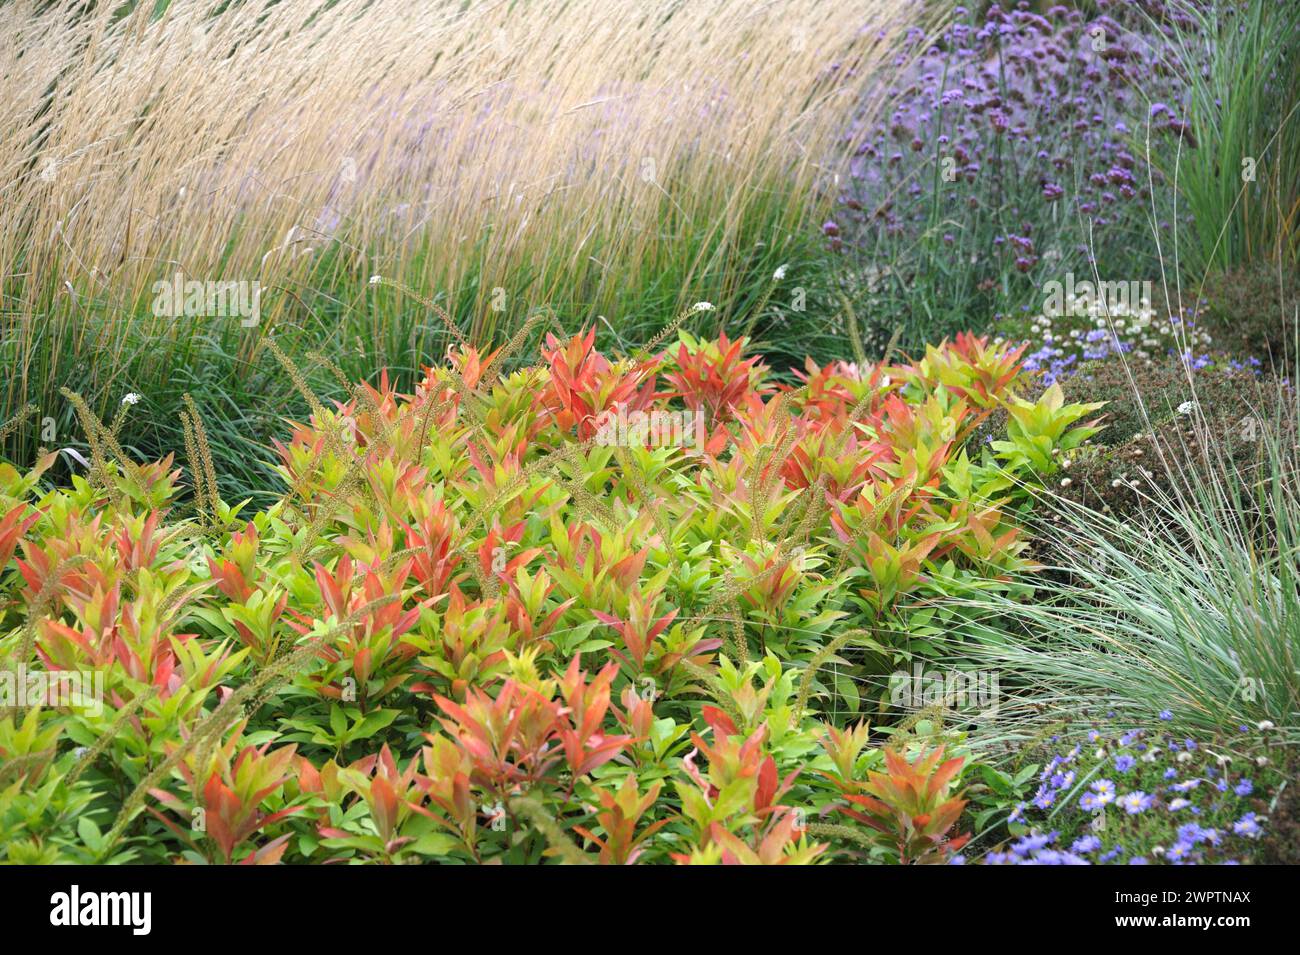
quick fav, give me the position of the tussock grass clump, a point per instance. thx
(1187, 604)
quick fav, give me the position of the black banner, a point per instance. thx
(142, 906)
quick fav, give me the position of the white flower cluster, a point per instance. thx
(1087, 330)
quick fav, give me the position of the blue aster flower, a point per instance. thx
(1030, 844)
(1136, 802)
(1062, 780)
(1246, 826)
(1178, 852)
(1085, 844)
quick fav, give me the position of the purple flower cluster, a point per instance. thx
(999, 120)
(1138, 798)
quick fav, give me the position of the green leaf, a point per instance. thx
(847, 688)
(373, 723)
(90, 834)
(338, 721)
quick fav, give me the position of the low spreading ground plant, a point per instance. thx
(1144, 797)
